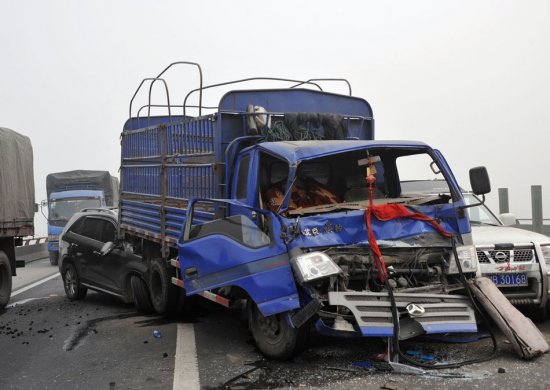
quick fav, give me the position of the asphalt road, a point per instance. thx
(48, 342)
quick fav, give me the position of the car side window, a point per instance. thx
(77, 226)
(108, 232)
(242, 178)
(92, 228)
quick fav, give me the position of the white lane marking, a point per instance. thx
(22, 290)
(186, 368)
(18, 303)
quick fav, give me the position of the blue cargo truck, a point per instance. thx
(71, 191)
(281, 198)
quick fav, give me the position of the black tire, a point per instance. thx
(5, 280)
(142, 301)
(164, 295)
(54, 258)
(538, 314)
(274, 337)
(71, 282)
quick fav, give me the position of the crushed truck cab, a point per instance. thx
(283, 198)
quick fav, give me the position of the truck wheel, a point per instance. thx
(164, 295)
(273, 335)
(5, 280)
(74, 290)
(141, 295)
(54, 258)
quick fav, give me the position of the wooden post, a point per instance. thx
(503, 205)
(536, 207)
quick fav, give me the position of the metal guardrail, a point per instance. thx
(537, 221)
(32, 249)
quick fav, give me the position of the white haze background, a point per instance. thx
(470, 78)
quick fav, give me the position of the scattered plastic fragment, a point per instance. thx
(501, 370)
(156, 333)
(427, 358)
(364, 364)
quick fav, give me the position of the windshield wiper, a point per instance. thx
(483, 223)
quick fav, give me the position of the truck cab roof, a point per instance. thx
(296, 151)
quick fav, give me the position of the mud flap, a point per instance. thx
(524, 336)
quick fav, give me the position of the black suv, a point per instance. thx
(91, 256)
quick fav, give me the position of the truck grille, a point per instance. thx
(505, 256)
(373, 311)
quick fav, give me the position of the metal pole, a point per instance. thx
(536, 207)
(503, 204)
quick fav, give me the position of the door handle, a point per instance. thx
(191, 273)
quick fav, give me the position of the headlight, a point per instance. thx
(545, 249)
(314, 265)
(53, 238)
(467, 255)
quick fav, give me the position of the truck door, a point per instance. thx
(234, 251)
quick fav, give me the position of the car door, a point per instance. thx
(235, 251)
(80, 247)
(104, 269)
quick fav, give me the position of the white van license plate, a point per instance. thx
(504, 280)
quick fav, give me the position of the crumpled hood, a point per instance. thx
(491, 235)
(349, 228)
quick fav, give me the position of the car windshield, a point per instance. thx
(480, 214)
(339, 181)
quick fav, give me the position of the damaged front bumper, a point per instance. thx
(418, 313)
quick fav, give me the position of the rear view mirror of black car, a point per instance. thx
(107, 248)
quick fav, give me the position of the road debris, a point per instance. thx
(525, 337)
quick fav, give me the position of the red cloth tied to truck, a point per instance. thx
(388, 212)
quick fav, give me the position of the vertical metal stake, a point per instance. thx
(536, 207)
(503, 204)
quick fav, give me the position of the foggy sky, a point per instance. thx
(470, 78)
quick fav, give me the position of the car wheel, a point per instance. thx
(274, 337)
(142, 301)
(164, 295)
(71, 282)
(5, 280)
(54, 258)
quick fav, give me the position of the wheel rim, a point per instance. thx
(70, 281)
(270, 327)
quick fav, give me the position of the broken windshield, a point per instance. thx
(349, 180)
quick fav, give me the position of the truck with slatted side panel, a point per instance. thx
(282, 198)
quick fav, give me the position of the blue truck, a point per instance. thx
(282, 199)
(71, 191)
(17, 206)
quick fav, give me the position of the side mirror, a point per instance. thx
(479, 180)
(508, 219)
(107, 248)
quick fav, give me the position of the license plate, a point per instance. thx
(504, 280)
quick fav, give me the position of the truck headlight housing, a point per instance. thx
(52, 237)
(314, 265)
(467, 255)
(545, 249)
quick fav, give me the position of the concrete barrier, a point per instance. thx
(32, 249)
